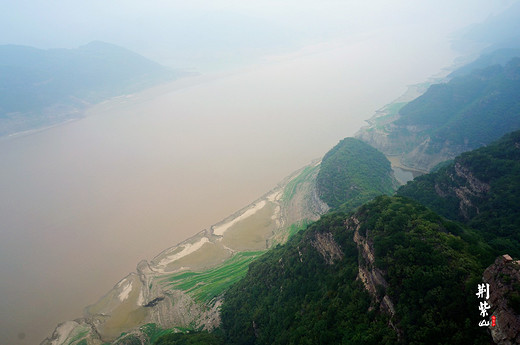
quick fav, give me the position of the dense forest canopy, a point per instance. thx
(481, 188)
(295, 295)
(353, 172)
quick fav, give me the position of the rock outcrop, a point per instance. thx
(372, 277)
(471, 188)
(328, 248)
(503, 278)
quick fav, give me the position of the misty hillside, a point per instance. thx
(39, 87)
(471, 110)
(499, 31)
(495, 57)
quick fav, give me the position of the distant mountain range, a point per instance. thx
(39, 88)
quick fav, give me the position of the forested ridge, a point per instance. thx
(481, 189)
(478, 105)
(352, 173)
(301, 293)
(321, 287)
(470, 110)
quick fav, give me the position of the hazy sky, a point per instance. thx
(208, 34)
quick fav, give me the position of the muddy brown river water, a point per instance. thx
(83, 202)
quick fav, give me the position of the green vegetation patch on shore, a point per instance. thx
(206, 285)
(291, 188)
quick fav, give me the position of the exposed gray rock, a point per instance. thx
(371, 276)
(503, 277)
(327, 247)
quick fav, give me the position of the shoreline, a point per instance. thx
(165, 89)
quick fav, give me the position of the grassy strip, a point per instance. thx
(150, 331)
(204, 286)
(296, 227)
(154, 332)
(290, 189)
(78, 339)
(393, 108)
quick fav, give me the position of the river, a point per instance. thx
(82, 203)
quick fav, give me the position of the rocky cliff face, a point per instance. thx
(471, 188)
(465, 187)
(503, 278)
(457, 191)
(372, 277)
(328, 248)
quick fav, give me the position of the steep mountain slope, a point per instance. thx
(392, 271)
(43, 87)
(469, 111)
(352, 173)
(480, 188)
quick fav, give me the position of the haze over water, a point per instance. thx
(83, 202)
